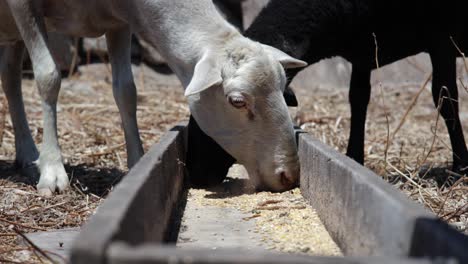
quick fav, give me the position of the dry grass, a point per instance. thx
(93, 147)
(418, 157)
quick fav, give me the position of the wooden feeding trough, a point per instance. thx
(369, 220)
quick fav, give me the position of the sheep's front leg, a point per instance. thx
(26, 151)
(359, 96)
(32, 29)
(119, 45)
(446, 100)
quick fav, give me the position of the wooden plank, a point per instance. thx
(140, 208)
(120, 253)
(365, 215)
(56, 241)
(434, 238)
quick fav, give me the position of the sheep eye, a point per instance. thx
(237, 101)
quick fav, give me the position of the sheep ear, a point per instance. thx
(287, 61)
(206, 74)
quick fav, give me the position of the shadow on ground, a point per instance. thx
(442, 175)
(230, 187)
(84, 177)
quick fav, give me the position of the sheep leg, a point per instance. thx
(32, 29)
(119, 45)
(26, 151)
(207, 163)
(445, 96)
(359, 96)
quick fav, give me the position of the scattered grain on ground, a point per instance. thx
(284, 220)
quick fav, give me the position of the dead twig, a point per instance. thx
(409, 179)
(382, 94)
(267, 202)
(299, 207)
(460, 210)
(36, 248)
(14, 249)
(7, 234)
(2, 260)
(461, 53)
(411, 105)
(463, 85)
(22, 225)
(3, 113)
(64, 260)
(251, 217)
(47, 224)
(74, 58)
(106, 151)
(434, 138)
(463, 177)
(448, 194)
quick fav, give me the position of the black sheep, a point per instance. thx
(313, 30)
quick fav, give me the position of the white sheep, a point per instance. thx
(234, 85)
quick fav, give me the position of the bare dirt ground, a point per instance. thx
(93, 146)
